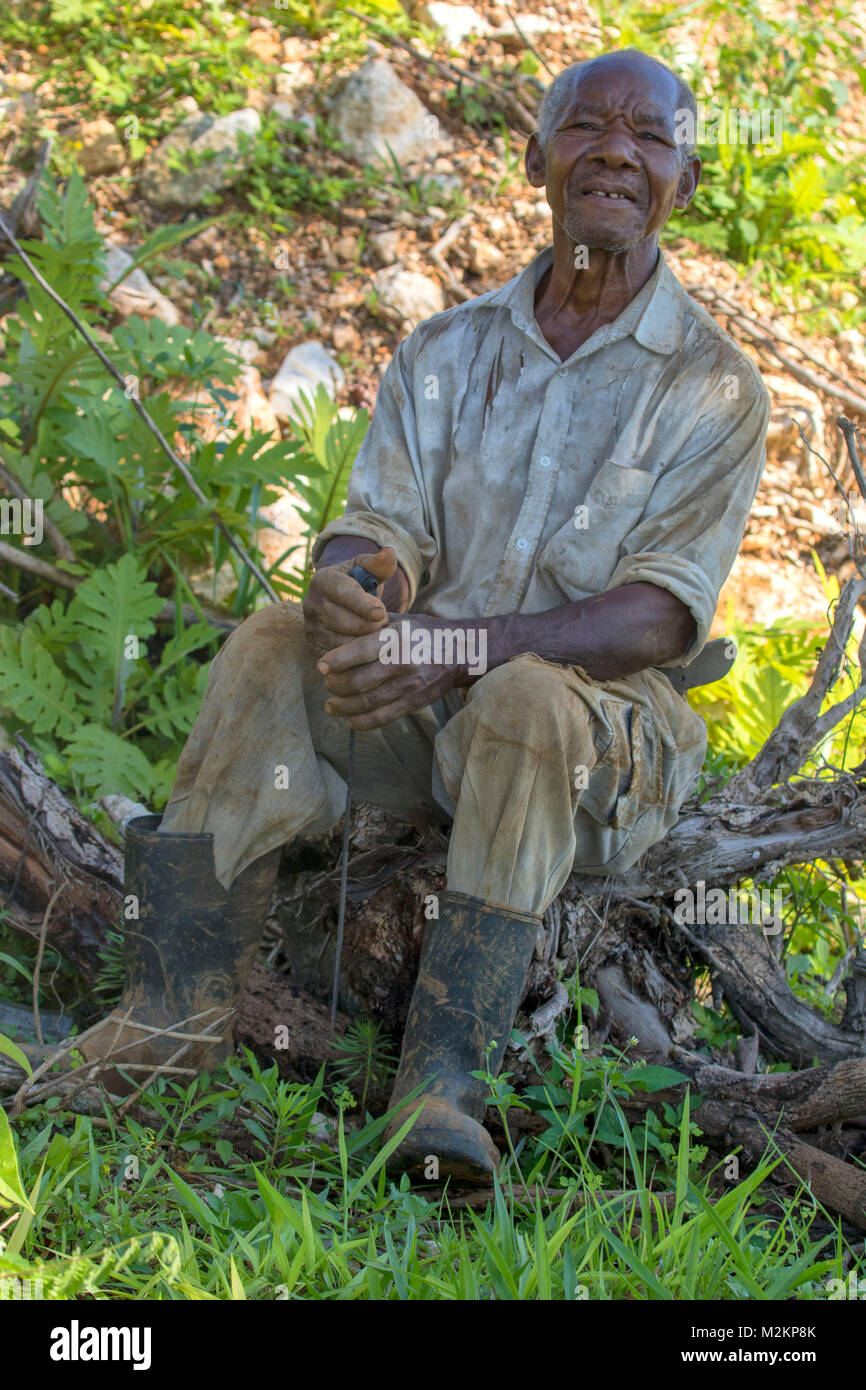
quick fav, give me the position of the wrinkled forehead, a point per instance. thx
(608, 85)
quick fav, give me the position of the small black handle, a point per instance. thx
(368, 582)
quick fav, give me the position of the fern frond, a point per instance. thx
(32, 686)
(107, 765)
(113, 611)
(175, 703)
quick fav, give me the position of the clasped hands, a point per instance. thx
(343, 624)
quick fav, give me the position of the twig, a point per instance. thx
(57, 1056)
(157, 433)
(849, 432)
(531, 46)
(37, 1022)
(451, 70)
(765, 334)
(544, 1017)
(43, 569)
(90, 1070)
(801, 727)
(22, 206)
(59, 544)
(169, 1064)
(437, 257)
(773, 329)
(23, 560)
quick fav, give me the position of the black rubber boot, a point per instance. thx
(472, 971)
(187, 954)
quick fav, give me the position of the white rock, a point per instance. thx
(410, 295)
(385, 246)
(264, 337)
(376, 110)
(301, 371)
(283, 110)
(439, 185)
(136, 294)
(209, 151)
(252, 410)
(529, 25)
(291, 77)
(101, 151)
(457, 21)
(247, 349)
(485, 256)
(852, 346)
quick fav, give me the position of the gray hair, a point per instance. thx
(556, 97)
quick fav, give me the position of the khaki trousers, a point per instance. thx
(543, 770)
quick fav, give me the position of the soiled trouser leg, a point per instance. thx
(550, 771)
(546, 769)
(265, 763)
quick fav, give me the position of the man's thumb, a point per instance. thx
(382, 565)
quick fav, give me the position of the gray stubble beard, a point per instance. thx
(615, 245)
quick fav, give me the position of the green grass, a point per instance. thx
(234, 1192)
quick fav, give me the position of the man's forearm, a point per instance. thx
(402, 667)
(395, 595)
(609, 635)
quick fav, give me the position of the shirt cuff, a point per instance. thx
(373, 527)
(682, 578)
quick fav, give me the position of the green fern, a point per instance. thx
(105, 764)
(175, 703)
(113, 611)
(32, 686)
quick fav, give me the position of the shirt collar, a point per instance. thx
(653, 317)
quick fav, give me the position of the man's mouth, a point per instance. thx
(608, 195)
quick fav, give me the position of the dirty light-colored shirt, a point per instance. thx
(508, 480)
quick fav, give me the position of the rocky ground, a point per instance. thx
(329, 294)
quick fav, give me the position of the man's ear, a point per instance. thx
(689, 180)
(535, 162)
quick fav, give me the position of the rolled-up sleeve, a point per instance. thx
(690, 532)
(385, 501)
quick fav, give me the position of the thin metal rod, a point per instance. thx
(344, 878)
(157, 433)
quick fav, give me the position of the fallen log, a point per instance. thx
(622, 935)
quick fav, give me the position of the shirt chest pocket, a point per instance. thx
(582, 555)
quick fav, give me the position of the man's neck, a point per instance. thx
(571, 303)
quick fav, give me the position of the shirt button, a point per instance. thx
(545, 461)
(523, 543)
(562, 372)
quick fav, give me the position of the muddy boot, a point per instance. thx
(187, 956)
(473, 968)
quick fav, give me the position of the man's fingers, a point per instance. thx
(335, 585)
(385, 695)
(358, 679)
(358, 652)
(333, 617)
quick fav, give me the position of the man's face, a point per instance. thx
(615, 136)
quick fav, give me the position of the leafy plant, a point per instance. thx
(328, 447)
(106, 675)
(364, 1058)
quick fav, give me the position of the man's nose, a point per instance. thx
(615, 150)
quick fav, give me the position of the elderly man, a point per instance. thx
(551, 494)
